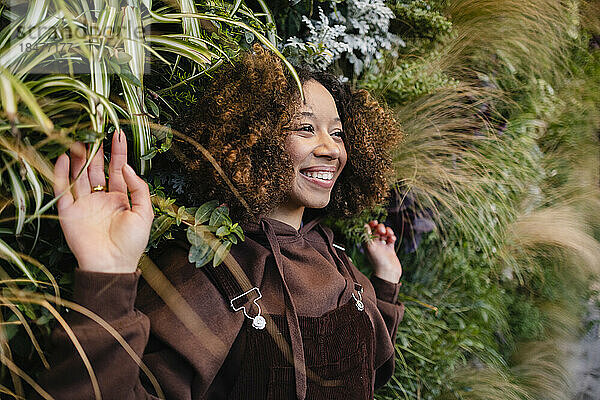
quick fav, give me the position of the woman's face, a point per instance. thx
(315, 144)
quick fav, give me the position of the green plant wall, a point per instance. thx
(497, 194)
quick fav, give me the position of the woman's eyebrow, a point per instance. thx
(310, 114)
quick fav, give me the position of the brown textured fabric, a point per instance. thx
(341, 371)
(264, 356)
(189, 366)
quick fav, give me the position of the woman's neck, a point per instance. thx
(290, 215)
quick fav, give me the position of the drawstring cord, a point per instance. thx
(291, 317)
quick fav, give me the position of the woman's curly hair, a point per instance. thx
(239, 120)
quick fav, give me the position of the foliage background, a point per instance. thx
(497, 196)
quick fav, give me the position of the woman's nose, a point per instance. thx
(327, 147)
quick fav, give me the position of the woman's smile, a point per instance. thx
(322, 176)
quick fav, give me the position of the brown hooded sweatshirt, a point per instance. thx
(201, 360)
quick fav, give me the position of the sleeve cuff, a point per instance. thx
(110, 295)
(385, 290)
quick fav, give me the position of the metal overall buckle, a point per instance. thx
(258, 321)
(359, 303)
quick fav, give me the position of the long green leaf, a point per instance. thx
(205, 43)
(36, 12)
(19, 196)
(36, 185)
(38, 193)
(7, 34)
(28, 98)
(13, 54)
(9, 101)
(55, 83)
(191, 26)
(181, 47)
(134, 95)
(235, 7)
(272, 33)
(9, 254)
(100, 81)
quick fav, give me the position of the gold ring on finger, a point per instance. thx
(98, 188)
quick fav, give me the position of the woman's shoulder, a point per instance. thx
(167, 275)
(172, 269)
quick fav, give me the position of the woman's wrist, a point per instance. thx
(390, 275)
(108, 266)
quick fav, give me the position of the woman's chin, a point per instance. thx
(317, 203)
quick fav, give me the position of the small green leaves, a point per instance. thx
(181, 214)
(200, 255)
(219, 216)
(221, 253)
(204, 211)
(238, 231)
(122, 58)
(203, 245)
(160, 225)
(212, 241)
(195, 235)
(123, 70)
(149, 155)
(153, 107)
(222, 231)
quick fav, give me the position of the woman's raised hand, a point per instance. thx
(103, 231)
(381, 252)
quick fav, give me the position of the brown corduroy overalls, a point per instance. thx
(330, 358)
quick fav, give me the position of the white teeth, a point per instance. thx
(326, 176)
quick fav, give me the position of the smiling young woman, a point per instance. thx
(312, 326)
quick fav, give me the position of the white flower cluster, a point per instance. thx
(361, 35)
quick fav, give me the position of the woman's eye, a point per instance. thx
(306, 128)
(311, 129)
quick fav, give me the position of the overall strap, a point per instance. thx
(357, 286)
(230, 280)
(340, 255)
(346, 262)
(235, 287)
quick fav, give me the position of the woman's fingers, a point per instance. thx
(96, 169)
(61, 182)
(81, 187)
(118, 159)
(140, 195)
(370, 232)
(384, 234)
